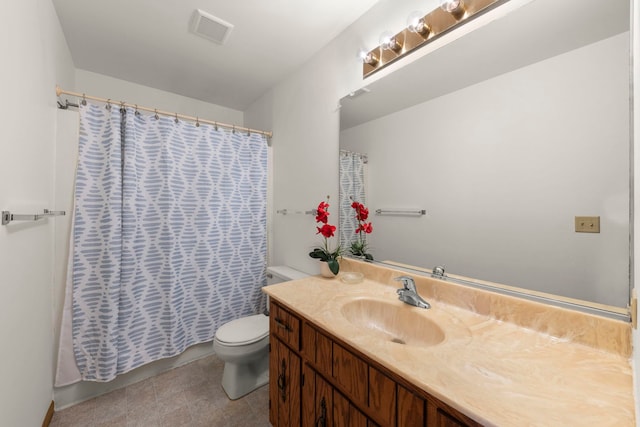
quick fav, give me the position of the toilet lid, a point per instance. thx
(244, 330)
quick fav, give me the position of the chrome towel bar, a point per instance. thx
(8, 217)
(288, 212)
(419, 212)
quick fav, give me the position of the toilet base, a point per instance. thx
(239, 379)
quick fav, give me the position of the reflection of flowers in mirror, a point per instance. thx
(359, 247)
(323, 253)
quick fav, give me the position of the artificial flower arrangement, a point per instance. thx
(359, 247)
(323, 253)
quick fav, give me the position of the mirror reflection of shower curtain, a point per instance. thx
(353, 176)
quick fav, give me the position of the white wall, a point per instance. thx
(35, 57)
(559, 129)
(121, 90)
(67, 141)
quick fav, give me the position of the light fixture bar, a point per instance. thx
(436, 23)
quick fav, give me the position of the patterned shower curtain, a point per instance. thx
(352, 188)
(169, 237)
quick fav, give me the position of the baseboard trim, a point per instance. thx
(49, 416)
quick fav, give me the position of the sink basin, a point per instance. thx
(400, 324)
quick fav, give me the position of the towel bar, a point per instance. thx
(401, 212)
(287, 212)
(7, 216)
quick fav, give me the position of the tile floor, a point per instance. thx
(190, 395)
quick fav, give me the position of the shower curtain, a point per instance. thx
(352, 174)
(169, 237)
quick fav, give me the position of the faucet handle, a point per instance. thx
(438, 271)
(407, 283)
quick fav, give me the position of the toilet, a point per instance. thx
(242, 344)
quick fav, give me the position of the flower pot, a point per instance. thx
(325, 271)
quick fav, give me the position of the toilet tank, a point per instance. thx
(283, 273)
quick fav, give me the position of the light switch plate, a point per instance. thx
(587, 224)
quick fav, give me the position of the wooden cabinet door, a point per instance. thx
(308, 396)
(351, 373)
(345, 414)
(324, 403)
(317, 348)
(382, 397)
(410, 409)
(324, 354)
(317, 400)
(284, 386)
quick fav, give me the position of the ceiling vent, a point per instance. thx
(210, 27)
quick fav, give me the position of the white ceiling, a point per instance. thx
(148, 42)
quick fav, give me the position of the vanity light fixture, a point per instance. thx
(422, 29)
(454, 7)
(417, 24)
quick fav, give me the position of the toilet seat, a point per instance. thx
(243, 331)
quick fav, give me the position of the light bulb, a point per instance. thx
(454, 7)
(389, 41)
(449, 5)
(386, 39)
(416, 24)
(367, 57)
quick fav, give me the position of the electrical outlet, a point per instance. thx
(587, 224)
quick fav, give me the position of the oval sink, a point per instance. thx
(393, 322)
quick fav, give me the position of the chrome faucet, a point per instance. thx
(409, 294)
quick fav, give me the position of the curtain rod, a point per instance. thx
(60, 91)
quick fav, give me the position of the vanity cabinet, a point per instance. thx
(284, 368)
(318, 381)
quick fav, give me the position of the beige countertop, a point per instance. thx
(497, 372)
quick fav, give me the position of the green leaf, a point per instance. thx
(318, 253)
(333, 265)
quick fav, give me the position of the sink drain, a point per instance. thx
(397, 341)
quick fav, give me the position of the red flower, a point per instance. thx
(322, 214)
(362, 213)
(366, 227)
(326, 230)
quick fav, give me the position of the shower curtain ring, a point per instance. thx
(122, 107)
(197, 122)
(233, 130)
(248, 132)
(137, 113)
(156, 114)
(84, 99)
(108, 106)
(176, 119)
(215, 126)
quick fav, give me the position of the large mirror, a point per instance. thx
(503, 137)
